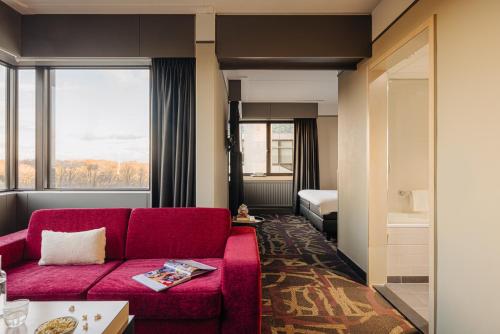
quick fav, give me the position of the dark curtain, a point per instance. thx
(173, 132)
(305, 158)
(235, 159)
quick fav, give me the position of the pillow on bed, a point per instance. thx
(76, 248)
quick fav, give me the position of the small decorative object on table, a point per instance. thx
(243, 215)
(15, 312)
(62, 325)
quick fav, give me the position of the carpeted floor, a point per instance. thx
(307, 289)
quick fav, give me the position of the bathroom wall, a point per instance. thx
(408, 103)
(407, 251)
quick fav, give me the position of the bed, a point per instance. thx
(320, 207)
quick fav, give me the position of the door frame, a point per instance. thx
(377, 166)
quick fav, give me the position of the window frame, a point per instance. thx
(43, 117)
(268, 144)
(48, 133)
(10, 128)
(15, 134)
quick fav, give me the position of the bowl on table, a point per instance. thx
(61, 325)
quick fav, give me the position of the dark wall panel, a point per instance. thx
(10, 30)
(80, 36)
(292, 41)
(295, 36)
(108, 36)
(278, 110)
(167, 35)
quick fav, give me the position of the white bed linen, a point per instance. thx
(326, 200)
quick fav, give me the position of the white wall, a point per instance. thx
(408, 140)
(328, 151)
(211, 116)
(353, 166)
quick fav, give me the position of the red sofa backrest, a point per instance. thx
(177, 233)
(75, 220)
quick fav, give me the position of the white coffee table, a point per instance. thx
(114, 316)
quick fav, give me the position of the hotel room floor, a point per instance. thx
(307, 288)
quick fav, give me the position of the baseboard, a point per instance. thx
(269, 210)
(407, 279)
(357, 269)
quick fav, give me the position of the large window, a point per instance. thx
(26, 128)
(100, 128)
(267, 148)
(3, 127)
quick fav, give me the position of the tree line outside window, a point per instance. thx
(99, 128)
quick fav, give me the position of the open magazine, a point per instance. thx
(174, 272)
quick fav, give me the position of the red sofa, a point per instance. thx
(138, 240)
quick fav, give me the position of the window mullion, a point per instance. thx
(41, 133)
(11, 130)
(268, 148)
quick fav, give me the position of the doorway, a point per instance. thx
(402, 176)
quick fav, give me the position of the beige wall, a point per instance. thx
(353, 168)
(408, 140)
(467, 159)
(385, 13)
(328, 147)
(211, 116)
(377, 180)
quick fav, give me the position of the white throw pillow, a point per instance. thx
(77, 248)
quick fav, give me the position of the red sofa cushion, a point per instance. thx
(200, 298)
(177, 233)
(29, 280)
(75, 220)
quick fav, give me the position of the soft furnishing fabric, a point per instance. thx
(73, 248)
(12, 248)
(179, 233)
(305, 158)
(199, 298)
(173, 132)
(241, 282)
(29, 280)
(75, 220)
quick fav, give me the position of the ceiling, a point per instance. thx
(193, 6)
(289, 86)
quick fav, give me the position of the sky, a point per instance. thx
(98, 114)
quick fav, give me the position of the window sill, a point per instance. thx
(268, 178)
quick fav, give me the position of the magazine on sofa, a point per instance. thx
(174, 272)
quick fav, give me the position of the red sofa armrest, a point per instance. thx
(12, 248)
(241, 283)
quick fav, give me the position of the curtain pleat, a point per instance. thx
(173, 132)
(305, 158)
(235, 159)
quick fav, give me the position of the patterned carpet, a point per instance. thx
(307, 289)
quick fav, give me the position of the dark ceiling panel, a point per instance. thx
(167, 36)
(80, 36)
(289, 63)
(10, 30)
(295, 36)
